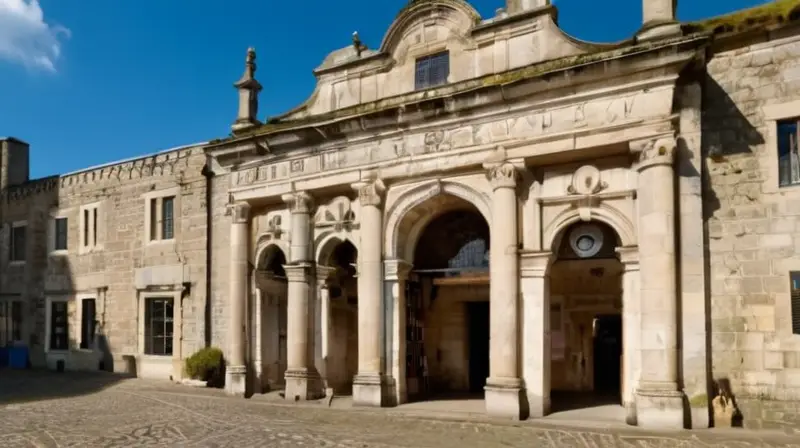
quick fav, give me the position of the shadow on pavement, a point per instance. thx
(24, 386)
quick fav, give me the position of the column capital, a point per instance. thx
(370, 193)
(299, 202)
(654, 152)
(395, 270)
(298, 272)
(324, 274)
(534, 264)
(502, 174)
(240, 212)
(629, 257)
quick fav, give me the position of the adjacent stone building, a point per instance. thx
(476, 205)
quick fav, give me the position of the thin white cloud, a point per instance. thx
(25, 37)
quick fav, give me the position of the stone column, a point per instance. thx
(369, 383)
(631, 329)
(536, 358)
(235, 371)
(504, 387)
(659, 403)
(302, 379)
(396, 275)
(323, 329)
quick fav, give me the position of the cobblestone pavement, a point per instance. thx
(71, 410)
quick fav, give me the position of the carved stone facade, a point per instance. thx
(554, 216)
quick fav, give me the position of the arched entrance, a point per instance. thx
(447, 303)
(341, 363)
(586, 324)
(270, 316)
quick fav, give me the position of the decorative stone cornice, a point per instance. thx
(535, 264)
(299, 202)
(654, 152)
(240, 212)
(370, 193)
(395, 270)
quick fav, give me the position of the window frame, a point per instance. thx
(794, 302)
(11, 330)
(87, 343)
(773, 115)
(90, 222)
(50, 324)
(152, 322)
(426, 82)
(12, 246)
(155, 225)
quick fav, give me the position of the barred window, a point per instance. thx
(433, 70)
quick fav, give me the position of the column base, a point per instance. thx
(538, 405)
(303, 385)
(395, 393)
(236, 380)
(659, 409)
(504, 399)
(630, 413)
(369, 390)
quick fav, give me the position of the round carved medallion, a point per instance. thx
(586, 240)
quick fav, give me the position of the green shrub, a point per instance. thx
(206, 364)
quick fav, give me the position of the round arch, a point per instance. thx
(404, 226)
(326, 243)
(607, 215)
(264, 246)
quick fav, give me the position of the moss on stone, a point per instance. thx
(699, 401)
(773, 13)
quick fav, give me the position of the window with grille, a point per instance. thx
(60, 234)
(788, 154)
(158, 326)
(432, 70)
(795, 297)
(88, 319)
(59, 326)
(10, 322)
(18, 242)
(90, 227)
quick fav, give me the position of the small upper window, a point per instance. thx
(795, 298)
(432, 70)
(788, 155)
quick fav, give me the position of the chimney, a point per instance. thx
(14, 162)
(518, 6)
(249, 89)
(659, 19)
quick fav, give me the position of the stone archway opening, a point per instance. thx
(341, 365)
(270, 315)
(586, 319)
(447, 300)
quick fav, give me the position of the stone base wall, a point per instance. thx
(769, 414)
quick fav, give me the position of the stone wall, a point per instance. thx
(752, 224)
(122, 263)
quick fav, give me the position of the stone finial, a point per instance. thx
(659, 20)
(358, 45)
(517, 6)
(248, 88)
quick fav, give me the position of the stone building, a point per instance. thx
(476, 205)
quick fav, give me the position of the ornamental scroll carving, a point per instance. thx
(370, 193)
(299, 202)
(503, 175)
(654, 152)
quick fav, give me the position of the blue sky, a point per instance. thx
(92, 81)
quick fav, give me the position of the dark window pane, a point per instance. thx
(59, 331)
(86, 228)
(60, 234)
(795, 302)
(432, 70)
(167, 221)
(88, 318)
(158, 327)
(94, 227)
(18, 243)
(788, 156)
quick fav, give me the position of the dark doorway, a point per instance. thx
(608, 355)
(478, 329)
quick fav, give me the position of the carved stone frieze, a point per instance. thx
(337, 213)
